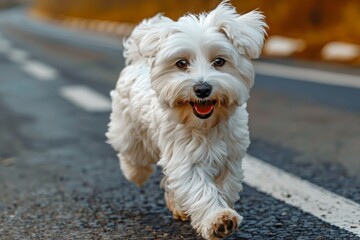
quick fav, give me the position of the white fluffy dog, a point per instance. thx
(180, 102)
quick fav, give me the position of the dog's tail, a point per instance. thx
(132, 52)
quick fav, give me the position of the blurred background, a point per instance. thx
(60, 180)
(311, 29)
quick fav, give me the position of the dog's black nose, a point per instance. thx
(202, 90)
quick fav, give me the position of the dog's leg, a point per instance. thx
(136, 163)
(135, 171)
(229, 181)
(170, 203)
(196, 193)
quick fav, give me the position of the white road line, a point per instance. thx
(309, 75)
(283, 46)
(5, 45)
(86, 98)
(18, 55)
(340, 51)
(310, 198)
(40, 70)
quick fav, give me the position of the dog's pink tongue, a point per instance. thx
(204, 107)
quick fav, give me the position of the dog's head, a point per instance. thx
(201, 66)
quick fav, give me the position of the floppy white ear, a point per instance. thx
(148, 35)
(246, 32)
(250, 33)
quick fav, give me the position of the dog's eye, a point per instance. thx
(218, 62)
(182, 64)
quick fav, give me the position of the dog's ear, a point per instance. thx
(246, 32)
(148, 35)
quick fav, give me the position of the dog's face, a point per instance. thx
(200, 65)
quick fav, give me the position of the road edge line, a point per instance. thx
(319, 202)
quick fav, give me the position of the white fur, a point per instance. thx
(152, 121)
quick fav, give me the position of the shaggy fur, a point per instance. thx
(153, 118)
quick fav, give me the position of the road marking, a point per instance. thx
(18, 55)
(283, 46)
(40, 70)
(310, 198)
(340, 51)
(5, 45)
(309, 75)
(86, 98)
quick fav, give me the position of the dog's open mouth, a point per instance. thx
(203, 108)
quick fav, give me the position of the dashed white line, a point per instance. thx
(37, 69)
(308, 75)
(325, 205)
(340, 51)
(283, 46)
(40, 70)
(86, 98)
(18, 55)
(5, 45)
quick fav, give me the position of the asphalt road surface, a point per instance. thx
(60, 180)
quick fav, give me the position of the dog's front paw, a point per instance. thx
(180, 215)
(224, 227)
(223, 223)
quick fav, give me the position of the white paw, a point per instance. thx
(221, 224)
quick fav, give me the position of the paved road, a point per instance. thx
(59, 180)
